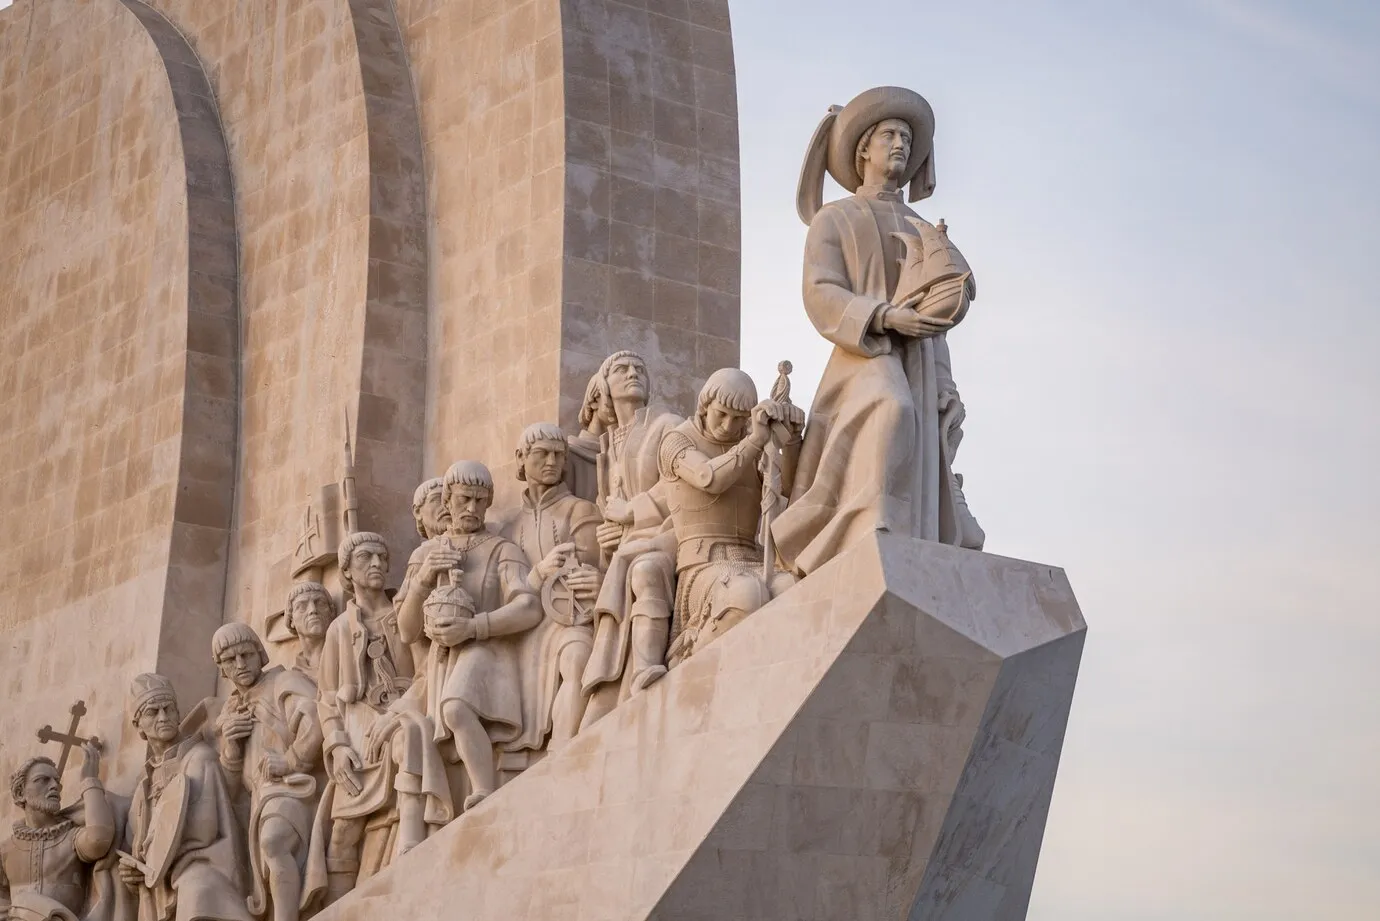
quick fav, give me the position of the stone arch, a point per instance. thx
(202, 514)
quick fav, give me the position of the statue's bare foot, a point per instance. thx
(647, 677)
(475, 798)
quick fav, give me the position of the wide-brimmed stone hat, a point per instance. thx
(867, 109)
(835, 145)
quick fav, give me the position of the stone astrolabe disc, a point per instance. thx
(560, 603)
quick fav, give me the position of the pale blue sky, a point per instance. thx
(1171, 383)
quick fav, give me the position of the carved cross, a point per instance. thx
(69, 739)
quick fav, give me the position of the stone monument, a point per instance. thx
(673, 657)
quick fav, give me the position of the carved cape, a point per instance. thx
(871, 458)
(204, 881)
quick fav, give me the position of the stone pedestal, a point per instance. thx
(880, 743)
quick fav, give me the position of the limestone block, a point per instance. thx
(879, 743)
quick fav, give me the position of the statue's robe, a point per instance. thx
(286, 723)
(356, 689)
(205, 881)
(46, 873)
(488, 674)
(633, 476)
(538, 528)
(872, 458)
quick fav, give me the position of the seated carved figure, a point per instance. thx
(711, 476)
(477, 693)
(633, 610)
(45, 867)
(183, 860)
(270, 745)
(557, 532)
(388, 785)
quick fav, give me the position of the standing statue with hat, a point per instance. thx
(885, 287)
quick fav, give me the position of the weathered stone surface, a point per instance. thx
(879, 743)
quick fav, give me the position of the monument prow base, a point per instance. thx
(878, 744)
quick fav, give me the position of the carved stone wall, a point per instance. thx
(429, 222)
(582, 166)
(94, 339)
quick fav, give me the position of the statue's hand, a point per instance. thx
(130, 874)
(439, 560)
(609, 534)
(911, 324)
(452, 634)
(91, 758)
(345, 768)
(378, 736)
(554, 561)
(276, 767)
(584, 582)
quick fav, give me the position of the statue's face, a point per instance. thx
(242, 663)
(888, 150)
(43, 789)
(468, 504)
(544, 462)
(311, 614)
(159, 722)
(369, 565)
(628, 379)
(435, 515)
(724, 424)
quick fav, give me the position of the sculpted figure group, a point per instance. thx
(637, 541)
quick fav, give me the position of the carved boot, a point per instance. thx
(651, 628)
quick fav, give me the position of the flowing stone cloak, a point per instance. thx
(286, 723)
(538, 529)
(871, 458)
(347, 674)
(204, 881)
(489, 675)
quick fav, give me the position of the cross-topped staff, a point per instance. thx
(68, 739)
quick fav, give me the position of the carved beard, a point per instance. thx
(48, 806)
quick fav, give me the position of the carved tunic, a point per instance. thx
(47, 868)
(538, 528)
(204, 880)
(871, 458)
(365, 669)
(485, 673)
(283, 704)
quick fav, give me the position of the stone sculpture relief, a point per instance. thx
(180, 858)
(633, 609)
(46, 865)
(558, 531)
(711, 477)
(387, 784)
(270, 739)
(637, 541)
(889, 414)
(471, 598)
